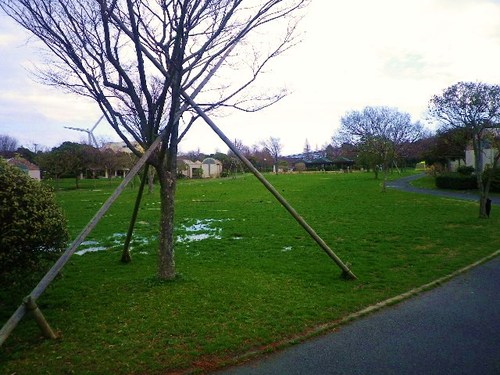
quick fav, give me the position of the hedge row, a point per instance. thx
(459, 181)
(495, 182)
(456, 181)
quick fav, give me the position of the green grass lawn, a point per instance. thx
(249, 275)
(426, 182)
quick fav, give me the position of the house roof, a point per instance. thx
(191, 163)
(325, 160)
(23, 164)
(342, 159)
(320, 160)
(211, 161)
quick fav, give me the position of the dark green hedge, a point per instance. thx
(459, 181)
(456, 181)
(495, 183)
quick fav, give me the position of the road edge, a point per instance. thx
(331, 326)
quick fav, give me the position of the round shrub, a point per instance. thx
(456, 181)
(300, 167)
(32, 226)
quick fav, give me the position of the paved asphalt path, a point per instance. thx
(452, 329)
(404, 184)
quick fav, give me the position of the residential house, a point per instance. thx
(189, 169)
(211, 168)
(30, 169)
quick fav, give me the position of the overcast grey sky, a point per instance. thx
(354, 53)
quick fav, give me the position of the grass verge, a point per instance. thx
(249, 276)
(425, 182)
(429, 182)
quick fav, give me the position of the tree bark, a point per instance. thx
(151, 179)
(166, 261)
(384, 181)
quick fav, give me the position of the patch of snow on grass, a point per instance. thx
(90, 250)
(87, 243)
(200, 230)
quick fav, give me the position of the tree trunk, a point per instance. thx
(166, 261)
(483, 197)
(478, 158)
(385, 170)
(384, 180)
(167, 165)
(151, 180)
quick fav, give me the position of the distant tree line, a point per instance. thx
(78, 160)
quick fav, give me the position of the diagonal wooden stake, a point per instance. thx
(126, 258)
(39, 318)
(346, 272)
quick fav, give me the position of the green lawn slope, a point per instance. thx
(249, 275)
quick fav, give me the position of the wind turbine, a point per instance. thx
(92, 140)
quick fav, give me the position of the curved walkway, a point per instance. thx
(404, 184)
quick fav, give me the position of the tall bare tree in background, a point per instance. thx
(8, 143)
(273, 146)
(382, 133)
(473, 107)
(135, 58)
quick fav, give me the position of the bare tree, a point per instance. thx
(273, 146)
(307, 149)
(135, 58)
(474, 107)
(8, 143)
(235, 162)
(381, 133)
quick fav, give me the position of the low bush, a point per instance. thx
(435, 170)
(456, 181)
(495, 179)
(465, 170)
(33, 228)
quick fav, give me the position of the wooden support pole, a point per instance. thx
(39, 318)
(346, 272)
(126, 258)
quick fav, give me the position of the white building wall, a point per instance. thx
(35, 173)
(211, 168)
(488, 158)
